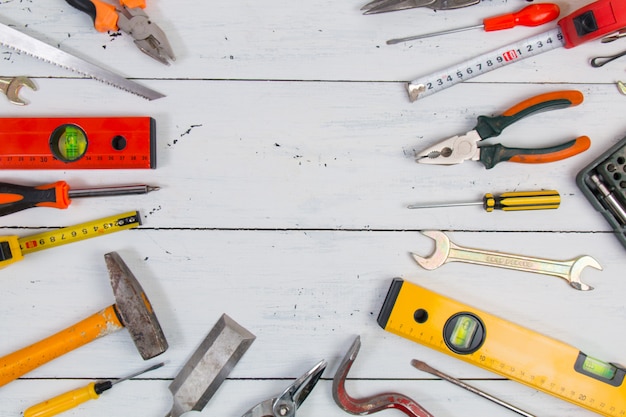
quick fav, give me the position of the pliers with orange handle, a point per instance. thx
(129, 17)
(457, 149)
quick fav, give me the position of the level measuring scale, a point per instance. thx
(13, 248)
(442, 79)
(504, 348)
(78, 143)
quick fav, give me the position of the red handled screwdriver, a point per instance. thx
(14, 198)
(533, 15)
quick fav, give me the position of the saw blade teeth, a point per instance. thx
(21, 43)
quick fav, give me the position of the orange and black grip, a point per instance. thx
(493, 154)
(14, 198)
(489, 127)
(104, 15)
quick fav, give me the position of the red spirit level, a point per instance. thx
(78, 143)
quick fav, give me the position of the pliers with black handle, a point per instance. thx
(130, 18)
(457, 149)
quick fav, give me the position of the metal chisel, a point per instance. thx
(21, 42)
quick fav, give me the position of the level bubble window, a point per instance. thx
(464, 333)
(68, 143)
(610, 373)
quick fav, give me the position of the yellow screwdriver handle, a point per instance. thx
(522, 200)
(63, 402)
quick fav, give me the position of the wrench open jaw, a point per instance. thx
(11, 87)
(446, 251)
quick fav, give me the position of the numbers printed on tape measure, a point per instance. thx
(65, 236)
(440, 80)
(79, 232)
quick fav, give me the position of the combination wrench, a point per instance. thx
(11, 86)
(446, 251)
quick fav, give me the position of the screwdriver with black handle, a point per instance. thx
(14, 198)
(511, 201)
(78, 396)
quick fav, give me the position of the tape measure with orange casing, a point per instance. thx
(13, 248)
(505, 348)
(78, 143)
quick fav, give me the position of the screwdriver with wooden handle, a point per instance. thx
(14, 198)
(533, 15)
(511, 201)
(78, 396)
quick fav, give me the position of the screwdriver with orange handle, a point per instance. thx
(74, 398)
(533, 15)
(14, 198)
(511, 201)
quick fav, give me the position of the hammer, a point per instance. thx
(132, 310)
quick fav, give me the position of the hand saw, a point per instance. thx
(20, 42)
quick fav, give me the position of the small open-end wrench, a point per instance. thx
(374, 403)
(11, 87)
(446, 251)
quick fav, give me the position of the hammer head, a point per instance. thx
(134, 309)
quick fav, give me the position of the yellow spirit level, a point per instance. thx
(505, 348)
(13, 248)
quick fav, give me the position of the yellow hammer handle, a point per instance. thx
(25, 360)
(63, 402)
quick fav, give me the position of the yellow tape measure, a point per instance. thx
(503, 347)
(13, 248)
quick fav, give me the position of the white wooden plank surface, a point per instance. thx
(285, 157)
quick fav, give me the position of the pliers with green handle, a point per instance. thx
(129, 17)
(457, 149)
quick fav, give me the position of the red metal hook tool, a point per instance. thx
(374, 403)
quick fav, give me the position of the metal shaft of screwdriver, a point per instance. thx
(143, 371)
(422, 366)
(430, 35)
(111, 191)
(468, 203)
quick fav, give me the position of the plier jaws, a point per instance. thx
(452, 151)
(384, 6)
(286, 404)
(468, 146)
(129, 17)
(149, 37)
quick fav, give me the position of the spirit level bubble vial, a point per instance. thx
(503, 347)
(78, 143)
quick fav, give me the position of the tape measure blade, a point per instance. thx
(504, 348)
(466, 70)
(100, 227)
